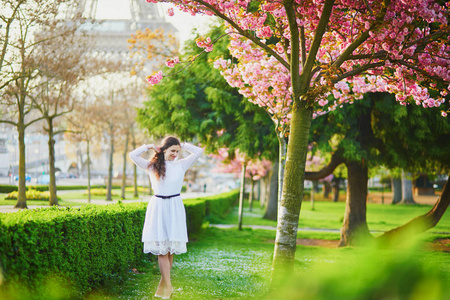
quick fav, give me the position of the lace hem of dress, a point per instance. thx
(162, 248)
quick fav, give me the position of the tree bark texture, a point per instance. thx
(292, 195)
(241, 195)
(21, 195)
(396, 190)
(281, 165)
(53, 200)
(354, 229)
(272, 205)
(407, 192)
(419, 224)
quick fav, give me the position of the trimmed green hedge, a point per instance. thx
(86, 248)
(30, 194)
(4, 189)
(91, 246)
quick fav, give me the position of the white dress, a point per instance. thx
(165, 220)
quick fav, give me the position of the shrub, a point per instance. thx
(141, 189)
(81, 248)
(11, 188)
(91, 246)
(7, 188)
(219, 205)
(30, 195)
(100, 192)
(195, 215)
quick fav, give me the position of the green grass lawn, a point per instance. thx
(232, 264)
(331, 214)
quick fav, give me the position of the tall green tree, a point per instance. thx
(368, 134)
(198, 103)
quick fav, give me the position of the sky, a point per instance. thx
(184, 22)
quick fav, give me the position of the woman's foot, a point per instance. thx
(159, 291)
(168, 293)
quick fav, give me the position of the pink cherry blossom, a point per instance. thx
(170, 12)
(155, 78)
(172, 62)
(401, 61)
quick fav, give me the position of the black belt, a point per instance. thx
(167, 197)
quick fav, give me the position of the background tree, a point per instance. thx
(358, 136)
(151, 46)
(323, 46)
(19, 70)
(61, 66)
(82, 129)
(198, 103)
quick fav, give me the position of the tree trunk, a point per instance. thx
(135, 175)
(110, 168)
(292, 193)
(258, 191)
(124, 171)
(407, 192)
(313, 192)
(250, 198)
(53, 200)
(241, 194)
(354, 228)
(281, 165)
(21, 195)
(265, 191)
(272, 205)
(419, 224)
(326, 189)
(396, 190)
(336, 187)
(88, 170)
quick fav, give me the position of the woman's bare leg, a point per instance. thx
(171, 260)
(164, 266)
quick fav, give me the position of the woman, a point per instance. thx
(165, 231)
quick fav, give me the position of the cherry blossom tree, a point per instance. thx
(333, 51)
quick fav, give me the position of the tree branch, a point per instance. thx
(361, 39)
(357, 71)
(320, 31)
(336, 160)
(9, 122)
(419, 224)
(244, 33)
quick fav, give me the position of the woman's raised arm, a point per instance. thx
(135, 156)
(191, 159)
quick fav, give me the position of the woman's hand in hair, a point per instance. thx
(153, 147)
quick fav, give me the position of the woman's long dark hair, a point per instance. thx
(157, 162)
